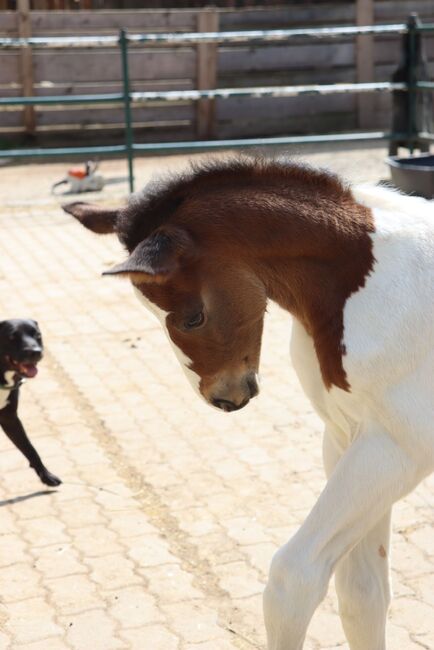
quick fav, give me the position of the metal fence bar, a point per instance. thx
(425, 85)
(62, 151)
(61, 99)
(179, 95)
(193, 38)
(266, 91)
(59, 42)
(155, 147)
(426, 27)
(127, 106)
(424, 135)
(263, 35)
(412, 25)
(258, 36)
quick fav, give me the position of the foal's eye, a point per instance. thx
(195, 321)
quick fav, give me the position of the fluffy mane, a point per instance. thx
(153, 206)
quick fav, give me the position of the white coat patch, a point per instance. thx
(183, 359)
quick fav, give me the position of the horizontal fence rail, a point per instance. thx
(195, 38)
(127, 98)
(223, 93)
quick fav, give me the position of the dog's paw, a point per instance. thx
(48, 478)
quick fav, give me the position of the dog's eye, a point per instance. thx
(195, 321)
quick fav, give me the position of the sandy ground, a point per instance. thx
(161, 535)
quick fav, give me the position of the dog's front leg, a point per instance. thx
(369, 477)
(13, 428)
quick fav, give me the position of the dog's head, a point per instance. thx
(20, 346)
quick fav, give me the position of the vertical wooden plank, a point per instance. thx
(207, 21)
(26, 63)
(365, 63)
(3, 5)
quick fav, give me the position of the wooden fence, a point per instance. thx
(58, 72)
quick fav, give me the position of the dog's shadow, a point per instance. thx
(25, 497)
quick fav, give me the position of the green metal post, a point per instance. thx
(123, 42)
(412, 90)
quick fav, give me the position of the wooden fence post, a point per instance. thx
(365, 63)
(26, 63)
(207, 21)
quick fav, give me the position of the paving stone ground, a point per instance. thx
(161, 535)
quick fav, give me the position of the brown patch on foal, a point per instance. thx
(260, 230)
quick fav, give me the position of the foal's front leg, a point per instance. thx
(371, 475)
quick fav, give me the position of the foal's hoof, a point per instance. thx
(48, 478)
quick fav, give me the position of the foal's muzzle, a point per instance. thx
(236, 399)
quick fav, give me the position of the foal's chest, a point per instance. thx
(334, 406)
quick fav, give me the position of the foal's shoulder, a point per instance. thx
(390, 200)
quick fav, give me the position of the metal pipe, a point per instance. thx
(263, 35)
(61, 99)
(61, 151)
(424, 135)
(266, 91)
(412, 23)
(156, 147)
(8, 103)
(59, 42)
(193, 38)
(425, 85)
(207, 144)
(123, 42)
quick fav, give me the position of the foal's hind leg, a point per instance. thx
(363, 586)
(362, 577)
(369, 477)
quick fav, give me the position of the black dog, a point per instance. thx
(20, 351)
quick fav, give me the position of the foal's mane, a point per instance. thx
(153, 206)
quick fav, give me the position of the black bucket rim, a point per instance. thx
(400, 163)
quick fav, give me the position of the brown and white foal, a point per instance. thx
(356, 270)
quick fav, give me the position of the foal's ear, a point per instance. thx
(157, 257)
(94, 217)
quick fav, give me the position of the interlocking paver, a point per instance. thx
(161, 535)
(151, 636)
(93, 629)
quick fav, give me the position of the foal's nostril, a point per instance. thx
(226, 405)
(252, 385)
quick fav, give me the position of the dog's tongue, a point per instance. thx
(28, 370)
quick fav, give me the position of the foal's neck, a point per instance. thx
(311, 252)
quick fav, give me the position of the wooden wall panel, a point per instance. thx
(103, 22)
(105, 66)
(286, 57)
(161, 68)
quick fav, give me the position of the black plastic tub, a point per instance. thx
(413, 175)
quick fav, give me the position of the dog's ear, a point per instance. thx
(157, 257)
(94, 217)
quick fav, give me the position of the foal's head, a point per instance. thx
(188, 273)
